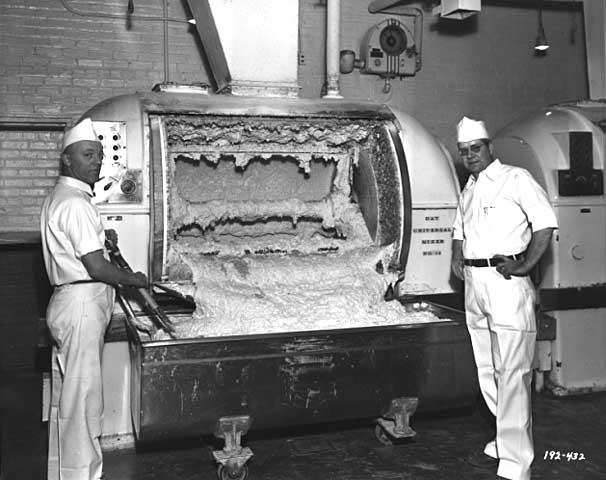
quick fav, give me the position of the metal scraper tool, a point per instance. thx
(157, 315)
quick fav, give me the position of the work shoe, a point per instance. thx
(482, 461)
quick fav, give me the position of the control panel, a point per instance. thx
(117, 183)
(581, 179)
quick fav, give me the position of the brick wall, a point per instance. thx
(55, 64)
(29, 164)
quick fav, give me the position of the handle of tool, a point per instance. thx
(131, 317)
(123, 264)
(125, 304)
(161, 317)
(148, 299)
(117, 256)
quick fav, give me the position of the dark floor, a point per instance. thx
(574, 425)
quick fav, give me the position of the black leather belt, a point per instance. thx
(76, 282)
(489, 262)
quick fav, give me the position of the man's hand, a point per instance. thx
(456, 264)
(139, 280)
(538, 244)
(509, 267)
(457, 268)
(111, 235)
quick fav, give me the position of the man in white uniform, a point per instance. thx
(503, 225)
(80, 307)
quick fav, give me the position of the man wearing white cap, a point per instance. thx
(503, 225)
(80, 308)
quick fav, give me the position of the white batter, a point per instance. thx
(286, 293)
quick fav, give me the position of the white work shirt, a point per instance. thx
(71, 227)
(498, 212)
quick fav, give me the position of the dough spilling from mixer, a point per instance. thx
(270, 294)
(277, 241)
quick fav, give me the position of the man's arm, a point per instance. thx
(99, 268)
(538, 244)
(456, 263)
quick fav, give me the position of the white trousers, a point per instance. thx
(501, 322)
(77, 317)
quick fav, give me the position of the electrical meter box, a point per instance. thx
(392, 48)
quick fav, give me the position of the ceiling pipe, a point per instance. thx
(165, 42)
(333, 30)
(595, 46)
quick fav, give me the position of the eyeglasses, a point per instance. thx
(473, 148)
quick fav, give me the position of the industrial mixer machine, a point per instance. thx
(283, 222)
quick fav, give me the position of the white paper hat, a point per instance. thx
(81, 131)
(469, 129)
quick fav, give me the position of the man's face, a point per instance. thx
(83, 160)
(476, 155)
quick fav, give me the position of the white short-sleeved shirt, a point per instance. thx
(498, 212)
(71, 227)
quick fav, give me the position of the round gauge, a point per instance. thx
(393, 40)
(110, 177)
(128, 186)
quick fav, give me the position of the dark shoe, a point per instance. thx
(482, 461)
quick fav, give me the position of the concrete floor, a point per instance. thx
(345, 451)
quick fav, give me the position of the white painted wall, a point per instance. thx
(260, 41)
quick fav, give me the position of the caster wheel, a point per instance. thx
(224, 473)
(381, 436)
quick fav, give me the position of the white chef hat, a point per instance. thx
(81, 131)
(469, 129)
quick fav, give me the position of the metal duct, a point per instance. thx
(205, 25)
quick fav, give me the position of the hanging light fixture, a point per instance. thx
(541, 44)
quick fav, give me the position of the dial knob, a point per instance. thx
(128, 186)
(578, 252)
